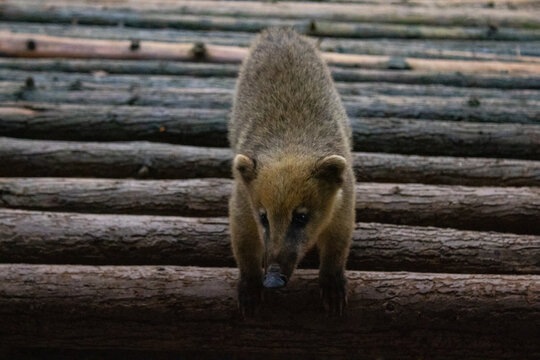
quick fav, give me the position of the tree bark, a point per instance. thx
(410, 136)
(70, 238)
(117, 123)
(105, 12)
(380, 167)
(23, 158)
(502, 81)
(480, 208)
(208, 127)
(324, 28)
(476, 208)
(57, 87)
(514, 81)
(193, 310)
(472, 108)
(194, 197)
(516, 4)
(33, 158)
(45, 46)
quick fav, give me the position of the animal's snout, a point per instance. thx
(274, 278)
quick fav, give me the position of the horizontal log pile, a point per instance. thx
(63, 85)
(110, 12)
(432, 42)
(478, 208)
(208, 127)
(453, 109)
(115, 178)
(95, 239)
(148, 67)
(45, 46)
(190, 310)
(33, 158)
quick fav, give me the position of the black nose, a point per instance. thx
(274, 278)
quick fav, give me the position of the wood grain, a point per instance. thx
(506, 209)
(183, 309)
(94, 239)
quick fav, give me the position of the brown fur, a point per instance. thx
(292, 141)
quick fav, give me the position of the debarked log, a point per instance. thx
(193, 310)
(91, 239)
(358, 38)
(509, 209)
(45, 46)
(149, 67)
(41, 158)
(208, 127)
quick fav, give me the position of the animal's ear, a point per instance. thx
(245, 167)
(331, 169)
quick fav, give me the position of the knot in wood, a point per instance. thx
(29, 83)
(312, 26)
(135, 45)
(199, 51)
(143, 172)
(31, 44)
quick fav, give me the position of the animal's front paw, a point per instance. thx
(333, 292)
(249, 296)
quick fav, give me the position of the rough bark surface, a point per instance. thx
(481, 208)
(194, 197)
(510, 4)
(208, 127)
(380, 167)
(141, 160)
(502, 81)
(105, 11)
(405, 315)
(450, 138)
(70, 238)
(471, 108)
(158, 90)
(319, 28)
(37, 158)
(117, 123)
(477, 208)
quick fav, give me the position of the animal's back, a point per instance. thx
(294, 183)
(286, 101)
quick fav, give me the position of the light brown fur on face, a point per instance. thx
(279, 196)
(294, 185)
(290, 184)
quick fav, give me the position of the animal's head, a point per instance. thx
(292, 200)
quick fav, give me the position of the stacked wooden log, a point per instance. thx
(115, 176)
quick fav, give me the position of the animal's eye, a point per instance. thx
(300, 219)
(264, 219)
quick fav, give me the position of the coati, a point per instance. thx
(294, 184)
